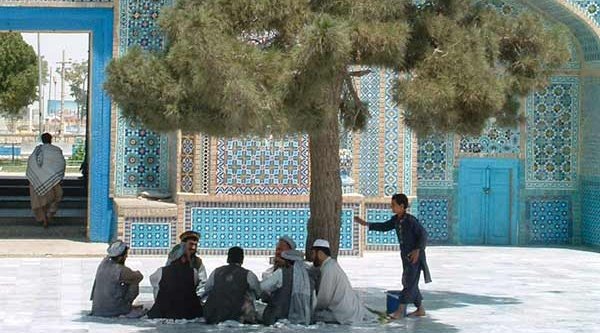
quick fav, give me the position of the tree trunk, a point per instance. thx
(325, 185)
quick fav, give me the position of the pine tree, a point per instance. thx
(263, 67)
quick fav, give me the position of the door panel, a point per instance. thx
(498, 228)
(473, 206)
(486, 187)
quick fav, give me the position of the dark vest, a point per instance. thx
(176, 297)
(108, 293)
(227, 296)
(279, 305)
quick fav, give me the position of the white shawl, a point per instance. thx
(45, 168)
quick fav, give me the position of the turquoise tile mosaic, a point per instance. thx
(256, 226)
(150, 235)
(435, 158)
(493, 140)
(391, 135)
(590, 211)
(369, 177)
(553, 135)
(256, 167)
(187, 163)
(433, 213)
(374, 215)
(142, 155)
(549, 220)
(144, 235)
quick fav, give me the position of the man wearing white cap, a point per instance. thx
(337, 302)
(284, 243)
(116, 285)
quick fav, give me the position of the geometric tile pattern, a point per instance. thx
(142, 155)
(408, 161)
(434, 216)
(369, 177)
(391, 134)
(435, 158)
(590, 211)
(549, 220)
(493, 140)
(552, 135)
(586, 36)
(259, 167)
(139, 24)
(205, 164)
(187, 163)
(143, 167)
(257, 226)
(377, 237)
(150, 235)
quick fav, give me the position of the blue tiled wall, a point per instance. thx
(258, 228)
(549, 220)
(590, 164)
(433, 213)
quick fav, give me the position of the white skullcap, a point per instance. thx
(321, 243)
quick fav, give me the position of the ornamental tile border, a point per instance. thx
(368, 163)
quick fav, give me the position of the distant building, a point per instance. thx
(53, 110)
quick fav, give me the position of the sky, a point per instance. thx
(76, 47)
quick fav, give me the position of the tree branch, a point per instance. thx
(357, 101)
(359, 73)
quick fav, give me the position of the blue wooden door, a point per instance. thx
(487, 196)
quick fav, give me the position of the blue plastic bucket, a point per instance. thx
(393, 301)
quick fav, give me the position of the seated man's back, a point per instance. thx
(116, 286)
(231, 291)
(177, 297)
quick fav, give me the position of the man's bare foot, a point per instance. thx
(419, 312)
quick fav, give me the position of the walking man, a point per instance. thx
(45, 172)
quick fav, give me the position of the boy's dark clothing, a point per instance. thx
(411, 235)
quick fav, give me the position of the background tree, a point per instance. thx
(77, 75)
(256, 67)
(18, 73)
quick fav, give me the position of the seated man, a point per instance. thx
(190, 240)
(285, 243)
(231, 291)
(177, 297)
(116, 285)
(336, 300)
(288, 291)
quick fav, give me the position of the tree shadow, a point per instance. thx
(438, 299)
(373, 297)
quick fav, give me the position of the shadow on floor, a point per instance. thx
(373, 297)
(434, 300)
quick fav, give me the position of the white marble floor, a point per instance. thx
(475, 289)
